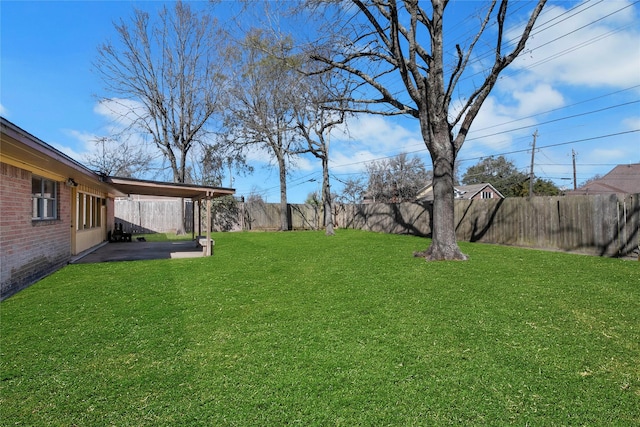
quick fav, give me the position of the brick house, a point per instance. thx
(52, 208)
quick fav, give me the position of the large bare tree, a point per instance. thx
(261, 113)
(397, 51)
(165, 78)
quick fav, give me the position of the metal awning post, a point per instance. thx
(209, 224)
(199, 217)
(193, 219)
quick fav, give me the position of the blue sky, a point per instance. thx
(578, 85)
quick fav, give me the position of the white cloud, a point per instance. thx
(74, 154)
(305, 164)
(383, 134)
(79, 150)
(592, 45)
(539, 99)
(87, 140)
(512, 106)
(369, 137)
(259, 154)
(347, 161)
(605, 155)
(3, 111)
(600, 52)
(493, 123)
(632, 123)
(120, 112)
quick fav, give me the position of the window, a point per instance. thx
(88, 211)
(44, 198)
(80, 211)
(487, 195)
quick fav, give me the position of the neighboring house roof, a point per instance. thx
(464, 192)
(470, 191)
(623, 179)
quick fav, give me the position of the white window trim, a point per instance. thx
(39, 200)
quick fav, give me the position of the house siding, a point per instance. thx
(478, 195)
(29, 250)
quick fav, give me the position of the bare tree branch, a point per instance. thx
(475, 101)
(463, 60)
(173, 69)
(406, 40)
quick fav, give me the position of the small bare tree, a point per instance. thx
(211, 163)
(113, 157)
(165, 79)
(397, 179)
(353, 191)
(406, 40)
(315, 115)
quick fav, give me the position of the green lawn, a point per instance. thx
(164, 237)
(303, 329)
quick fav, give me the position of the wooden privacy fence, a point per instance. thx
(266, 216)
(160, 216)
(153, 215)
(604, 225)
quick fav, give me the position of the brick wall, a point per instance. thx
(29, 250)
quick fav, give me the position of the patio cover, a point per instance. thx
(127, 186)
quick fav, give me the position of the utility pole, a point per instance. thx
(533, 152)
(573, 155)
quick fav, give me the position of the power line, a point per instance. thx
(539, 29)
(585, 26)
(491, 52)
(559, 108)
(557, 144)
(495, 154)
(507, 131)
(572, 49)
(556, 120)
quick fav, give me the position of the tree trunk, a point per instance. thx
(180, 230)
(443, 244)
(284, 214)
(326, 198)
(443, 233)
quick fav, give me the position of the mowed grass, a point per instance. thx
(163, 237)
(302, 329)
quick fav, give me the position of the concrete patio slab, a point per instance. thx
(136, 251)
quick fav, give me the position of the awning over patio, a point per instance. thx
(128, 186)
